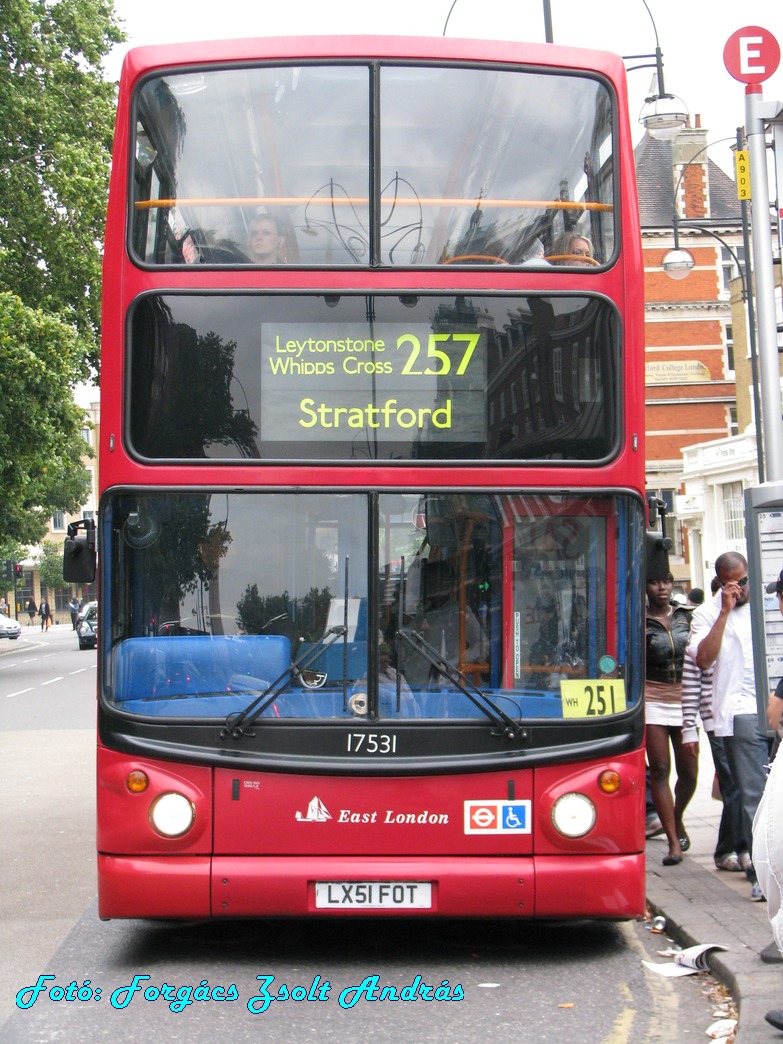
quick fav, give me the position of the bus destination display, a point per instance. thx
(385, 378)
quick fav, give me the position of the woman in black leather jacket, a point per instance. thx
(667, 630)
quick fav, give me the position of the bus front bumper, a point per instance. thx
(200, 887)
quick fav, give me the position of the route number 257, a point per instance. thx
(439, 360)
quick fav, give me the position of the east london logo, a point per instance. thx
(317, 812)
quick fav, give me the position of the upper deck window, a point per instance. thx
(286, 165)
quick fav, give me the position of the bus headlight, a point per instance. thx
(573, 815)
(172, 815)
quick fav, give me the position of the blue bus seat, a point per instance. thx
(189, 665)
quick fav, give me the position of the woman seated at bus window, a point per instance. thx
(572, 248)
(265, 240)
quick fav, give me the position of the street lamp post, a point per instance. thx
(663, 115)
(678, 264)
(756, 115)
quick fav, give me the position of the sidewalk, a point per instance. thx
(702, 904)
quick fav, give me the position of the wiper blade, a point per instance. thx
(235, 723)
(448, 670)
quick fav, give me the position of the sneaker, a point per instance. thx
(756, 894)
(771, 954)
(729, 862)
(653, 826)
(745, 862)
(775, 1018)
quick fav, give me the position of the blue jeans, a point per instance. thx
(748, 755)
(730, 833)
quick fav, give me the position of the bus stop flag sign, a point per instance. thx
(751, 55)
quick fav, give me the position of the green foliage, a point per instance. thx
(12, 551)
(50, 564)
(41, 447)
(57, 115)
(272, 613)
(255, 612)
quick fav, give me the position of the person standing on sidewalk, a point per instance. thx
(768, 831)
(667, 629)
(721, 638)
(731, 849)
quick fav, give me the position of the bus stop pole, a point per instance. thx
(756, 112)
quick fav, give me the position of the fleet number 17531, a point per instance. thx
(371, 743)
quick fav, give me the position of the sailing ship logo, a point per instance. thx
(317, 812)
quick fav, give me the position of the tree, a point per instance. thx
(57, 115)
(41, 446)
(254, 612)
(50, 564)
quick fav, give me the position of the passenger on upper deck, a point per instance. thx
(265, 242)
(572, 248)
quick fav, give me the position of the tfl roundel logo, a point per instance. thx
(497, 817)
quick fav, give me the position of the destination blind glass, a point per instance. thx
(374, 377)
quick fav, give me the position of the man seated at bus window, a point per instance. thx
(572, 248)
(440, 625)
(265, 241)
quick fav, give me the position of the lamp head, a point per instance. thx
(678, 263)
(664, 116)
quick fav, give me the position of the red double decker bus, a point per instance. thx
(372, 519)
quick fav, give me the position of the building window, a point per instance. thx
(733, 511)
(733, 423)
(58, 521)
(729, 347)
(728, 267)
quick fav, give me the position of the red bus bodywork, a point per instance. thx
(254, 850)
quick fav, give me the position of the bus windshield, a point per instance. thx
(280, 164)
(371, 605)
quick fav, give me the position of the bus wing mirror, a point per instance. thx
(79, 555)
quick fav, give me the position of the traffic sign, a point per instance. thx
(752, 54)
(742, 171)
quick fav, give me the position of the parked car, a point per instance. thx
(9, 628)
(84, 610)
(87, 626)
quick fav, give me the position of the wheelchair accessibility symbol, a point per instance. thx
(511, 820)
(497, 817)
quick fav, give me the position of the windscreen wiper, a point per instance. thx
(509, 729)
(235, 723)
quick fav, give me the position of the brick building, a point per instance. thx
(690, 389)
